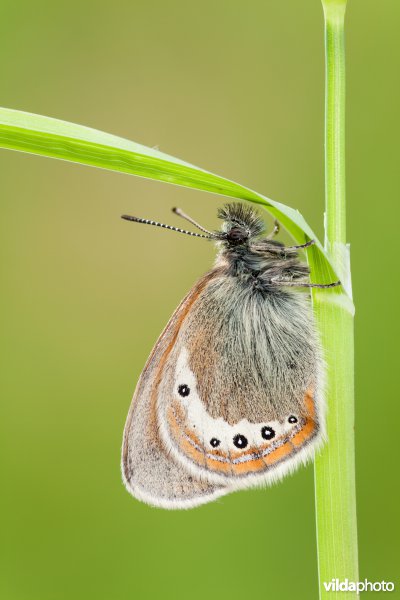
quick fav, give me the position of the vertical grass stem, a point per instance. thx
(334, 467)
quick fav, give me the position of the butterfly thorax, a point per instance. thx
(257, 261)
(260, 263)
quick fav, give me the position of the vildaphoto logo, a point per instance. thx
(358, 586)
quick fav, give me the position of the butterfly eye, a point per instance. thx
(267, 433)
(184, 390)
(237, 235)
(292, 419)
(214, 442)
(240, 441)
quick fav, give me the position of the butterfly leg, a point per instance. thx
(300, 247)
(305, 284)
(288, 251)
(275, 230)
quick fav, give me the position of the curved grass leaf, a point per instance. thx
(53, 138)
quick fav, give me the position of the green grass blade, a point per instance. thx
(335, 494)
(53, 138)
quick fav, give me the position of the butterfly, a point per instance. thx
(232, 393)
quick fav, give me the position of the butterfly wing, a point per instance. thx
(149, 472)
(240, 396)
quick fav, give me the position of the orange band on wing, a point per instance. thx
(252, 466)
(254, 460)
(191, 446)
(310, 405)
(278, 454)
(304, 434)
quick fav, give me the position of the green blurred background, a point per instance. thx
(237, 88)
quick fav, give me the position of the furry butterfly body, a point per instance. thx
(232, 394)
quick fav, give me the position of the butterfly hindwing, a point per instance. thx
(239, 401)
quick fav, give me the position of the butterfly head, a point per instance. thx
(240, 224)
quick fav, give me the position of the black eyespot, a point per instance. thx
(292, 365)
(214, 442)
(240, 441)
(267, 433)
(292, 419)
(184, 390)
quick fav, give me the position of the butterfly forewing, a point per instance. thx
(150, 473)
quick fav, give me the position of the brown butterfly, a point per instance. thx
(232, 393)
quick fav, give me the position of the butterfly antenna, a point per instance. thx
(180, 213)
(149, 222)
